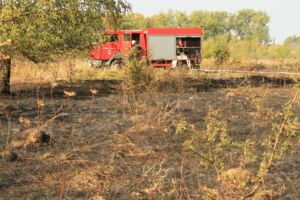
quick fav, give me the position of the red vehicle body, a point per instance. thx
(161, 47)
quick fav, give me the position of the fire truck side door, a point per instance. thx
(126, 43)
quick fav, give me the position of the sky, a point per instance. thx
(284, 14)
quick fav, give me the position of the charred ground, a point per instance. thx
(113, 146)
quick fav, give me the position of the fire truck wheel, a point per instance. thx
(116, 64)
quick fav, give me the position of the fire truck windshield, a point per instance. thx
(111, 38)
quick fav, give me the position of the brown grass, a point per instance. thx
(25, 71)
(271, 65)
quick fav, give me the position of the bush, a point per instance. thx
(137, 75)
(279, 51)
(247, 49)
(221, 54)
(245, 175)
(218, 49)
(297, 52)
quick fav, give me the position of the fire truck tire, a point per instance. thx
(116, 64)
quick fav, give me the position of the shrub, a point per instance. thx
(221, 54)
(244, 176)
(218, 49)
(137, 75)
(279, 51)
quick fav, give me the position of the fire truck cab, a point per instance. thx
(161, 47)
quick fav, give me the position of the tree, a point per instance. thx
(43, 30)
(246, 24)
(163, 20)
(280, 51)
(214, 23)
(170, 19)
(292, 41)
(135, 21)
(297, 52)
(249, 24)
(217, 48)
(221, 50)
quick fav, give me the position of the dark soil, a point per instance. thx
(115, 147)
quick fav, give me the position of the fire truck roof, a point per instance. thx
(175, 31)
(162, 31)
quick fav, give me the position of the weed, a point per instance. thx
(138, 76)
(214, 147)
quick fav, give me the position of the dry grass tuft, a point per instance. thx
(70, 93)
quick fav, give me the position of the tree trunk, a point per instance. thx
(5, 66)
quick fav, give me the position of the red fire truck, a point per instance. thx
(161, 47)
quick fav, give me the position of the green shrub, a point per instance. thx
(218, 49)
(221, 54)
(247, 49)
(137, 75)
(279, 51)
(254, 157)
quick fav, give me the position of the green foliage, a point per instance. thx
(221, 54)
(249, 24)
(214, 23)
(244, 177)
(209, 145)
(246, 33)
(137, 74)
(43, 29)
(169, 19)
(218, 48)
(135, 21)
(281, 138)
(279, 51)
(292, 40)
(245, 24)
(247, 49)
(297, 52)
(208, 48)
(291, 47)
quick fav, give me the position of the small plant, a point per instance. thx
(71, 71)
(218, 48)
(243, 177)
(209, 145)
(138, 76)
(221, 54)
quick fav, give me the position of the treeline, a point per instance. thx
(244, 34)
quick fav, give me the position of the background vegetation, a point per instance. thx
(244, 34)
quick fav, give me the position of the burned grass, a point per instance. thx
(115, 146)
